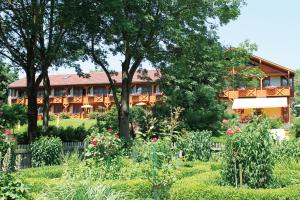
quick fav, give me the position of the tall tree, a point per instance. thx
(144, 30)
(7, 76)
(32, 35)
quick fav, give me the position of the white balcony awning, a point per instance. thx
(244, 103)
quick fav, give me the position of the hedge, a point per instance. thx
(202, 187)
(134, 189)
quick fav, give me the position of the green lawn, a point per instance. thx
(63, 123)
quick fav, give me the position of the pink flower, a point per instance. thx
(110, 130)
(94, 142)
(230, 132)
(102, 138)
(225, 121)
(237, 128)
(154, 139)
(8, 132)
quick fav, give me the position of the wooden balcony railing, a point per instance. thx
(257, 92)
(147, 99)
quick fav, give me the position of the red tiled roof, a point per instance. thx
(96, 78)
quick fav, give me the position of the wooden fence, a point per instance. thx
(23, 154)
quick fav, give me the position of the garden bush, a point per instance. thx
(64, 115)
(248, 156)
(197, 145)
(66, 134)
(206, 186)
(46, 151)
(296, 128)
(52, 116)
(287, 151)
(11, 188)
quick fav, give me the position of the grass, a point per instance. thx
(62, 123)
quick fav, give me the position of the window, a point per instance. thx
(58, 108)
(22, 93)
(157, 90)
(99, 91)
(40, 93)
(291, 83)
(77, 109)
(284, 82)
(59, 92)
(266, 82)
(143, 89)
(13, 93)
(77, 92)
(40, 110)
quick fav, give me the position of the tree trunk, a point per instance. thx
(46, 94)
(124, 112)
(32, 106)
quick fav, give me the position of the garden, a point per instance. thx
(163, 161)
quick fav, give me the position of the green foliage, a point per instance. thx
(10, 116)
(242, 74)
(287, 151)
(11, 188)
(107, 120)
(248, 158)
(7, 76)
(104, 144)
(66, 134)
(52, 116)
(9, 161)
(297, 86)
(196, 146)
(296, 128)
(46, 151)
(205, 186)
(82, 190)
(64, 115)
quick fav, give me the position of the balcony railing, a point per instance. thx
(148, 99)
(257, 92)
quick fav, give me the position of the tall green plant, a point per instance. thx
(46, 151)
(248, 158)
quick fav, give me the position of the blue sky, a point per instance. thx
(274, 25)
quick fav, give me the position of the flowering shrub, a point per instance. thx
(103, 145)
(248, 158)
(7, 140)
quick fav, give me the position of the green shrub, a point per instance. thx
(296, 127)
(66, 134)
(205, 186)
(275, 123)
(10, 188)
(52, 116)
(95, 115)
(196, 145)
(46, 151)
(82, 190)
(248, 158)
(107, 120)
(64, 115)
(287, 151)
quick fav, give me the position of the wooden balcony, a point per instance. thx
(56, 100)
(257, 92)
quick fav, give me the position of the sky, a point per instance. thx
(273, 25)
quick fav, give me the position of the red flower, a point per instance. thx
(110, 130)
(102, 138)
(154, 139)
(225, 121)
(230, 132)
(8, 132)
(94, 142)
